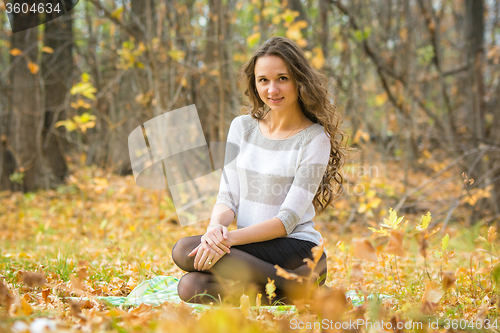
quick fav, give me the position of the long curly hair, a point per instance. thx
(314, 100)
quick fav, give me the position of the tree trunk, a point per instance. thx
(323, 16)
(57, 69)
(24, 123)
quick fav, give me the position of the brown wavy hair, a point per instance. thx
(314, 100)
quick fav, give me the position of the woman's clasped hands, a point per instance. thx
(214, 244)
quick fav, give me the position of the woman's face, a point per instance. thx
(275, 85)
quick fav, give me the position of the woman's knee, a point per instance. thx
(181, 250)
(192, 284)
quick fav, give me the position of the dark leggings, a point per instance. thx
(246, 270)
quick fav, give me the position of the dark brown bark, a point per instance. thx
(57, 69)
(323, 16)
(21, 153)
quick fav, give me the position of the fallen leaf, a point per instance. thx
(310, 264)
(285, 274)
(433, 292)
(6, 297)
(258, 301)
(363, 249)
(429, 308)
(141, 309)
(448, 280)
(76, 306)
(82, 273)
(45, 295)
(245, 304)
(329, 303)
(357, 273)
(317, 251)
(395, 245)
(32, 279)
(26, 307)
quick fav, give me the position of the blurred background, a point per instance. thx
(417, 82)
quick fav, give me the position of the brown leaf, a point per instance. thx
(448, 280)
(6, 297)
(395, 320)
(329, 303)
(429, 308)
(82, 273)
(423, 244)
(32, 279)
(83, 263)
(363, 249)
(76, 284)
(289, 276)
(357, 273)
(45, 295)
(76, 306)
(395, 245)
(433, 292)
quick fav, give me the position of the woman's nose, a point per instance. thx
(273, 88)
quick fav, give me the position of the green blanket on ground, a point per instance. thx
(161, 289)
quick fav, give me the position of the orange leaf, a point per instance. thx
(317, 251)
(492, 234)
(26, 307)
(15, 52)
(363, 249)
(47, 49)
(289, 276)
(33, 67)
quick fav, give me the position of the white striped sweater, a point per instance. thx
(274, 177)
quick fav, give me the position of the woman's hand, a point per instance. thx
(216, 239)
(205, 259)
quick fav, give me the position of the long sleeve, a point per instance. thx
(229, 191)
(313, 162)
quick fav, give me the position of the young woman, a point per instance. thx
(287, 169)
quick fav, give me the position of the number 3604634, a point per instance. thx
(32, 8)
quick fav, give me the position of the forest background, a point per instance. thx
(416, 81)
